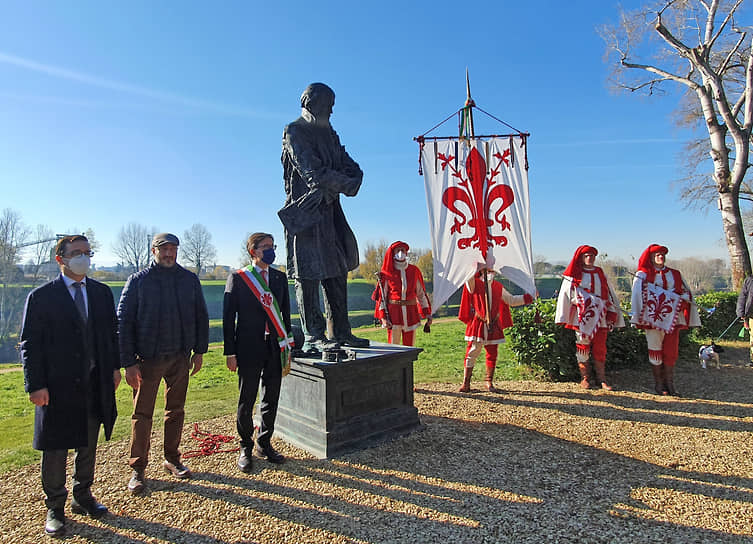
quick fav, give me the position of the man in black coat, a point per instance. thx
(252, 343)
(69, 351)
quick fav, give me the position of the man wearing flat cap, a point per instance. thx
(163, 328)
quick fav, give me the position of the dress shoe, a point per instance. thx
(353, 341)
(179, 470)
(88, 507)
(322, 343)
(136, 485)
(245, 464)
(270, 454)
(55, 524)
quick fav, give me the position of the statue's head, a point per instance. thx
(318, 100)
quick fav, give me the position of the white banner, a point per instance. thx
(479, 211)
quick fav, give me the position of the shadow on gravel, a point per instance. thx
(460, 481)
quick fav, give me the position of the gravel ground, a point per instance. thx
(539, 462)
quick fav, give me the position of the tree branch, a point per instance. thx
(668, 37)
(658, 71)
(724, 65)
(710, 21)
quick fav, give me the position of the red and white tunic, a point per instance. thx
(473, 310)
(592, 281)
(407, 301)
(668, 279)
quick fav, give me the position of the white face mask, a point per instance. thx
(79, 264)
(400, 255)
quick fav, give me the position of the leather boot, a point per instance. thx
(490, 380)
(466, 387)
(601, 376)
(659, 387)
(669, 380)
(585, 372)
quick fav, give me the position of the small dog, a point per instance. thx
(709, 352)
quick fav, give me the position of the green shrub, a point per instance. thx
(540, 344)
(717, 311)
(626, 347)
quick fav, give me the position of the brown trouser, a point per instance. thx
(174, 369)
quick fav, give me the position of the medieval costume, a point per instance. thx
(588, 305)
(662, 305)
(485, 329)
(400, 296)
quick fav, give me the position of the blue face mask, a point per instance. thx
(268, 256)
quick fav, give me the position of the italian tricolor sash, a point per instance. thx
(261, 290)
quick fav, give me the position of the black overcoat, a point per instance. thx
(314, 160)
(244, 318)
(54, 355)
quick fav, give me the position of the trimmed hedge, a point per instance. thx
(540, 344)
(718, 312)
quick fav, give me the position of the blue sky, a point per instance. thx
(171, 113)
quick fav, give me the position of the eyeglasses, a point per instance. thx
(262, 248)
(78, 253)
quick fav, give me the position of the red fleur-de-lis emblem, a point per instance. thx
(659, 307)
(478, 202)
(586, 309)
(266, 299)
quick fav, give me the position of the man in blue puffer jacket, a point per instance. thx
(163, 328)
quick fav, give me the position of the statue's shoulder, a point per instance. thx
(299, 126)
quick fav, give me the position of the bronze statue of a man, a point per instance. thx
(321, 247)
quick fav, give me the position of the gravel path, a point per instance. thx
(537, 463)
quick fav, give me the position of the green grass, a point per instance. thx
(444, 351)
(214, 390)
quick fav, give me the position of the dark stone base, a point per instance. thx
(329, 408)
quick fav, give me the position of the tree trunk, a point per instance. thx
(735, 238)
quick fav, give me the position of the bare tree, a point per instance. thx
(372, 261)
(701, 275)
(42, 250)
(13, 234)
(197, 247)
(541, 265)
(133, 245)
(698, 44)
(424, 260)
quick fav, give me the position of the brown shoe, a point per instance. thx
(136, 485)
(467, 375)
(179, 470)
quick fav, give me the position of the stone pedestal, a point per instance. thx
(329, 408)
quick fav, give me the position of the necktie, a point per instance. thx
(78, 299)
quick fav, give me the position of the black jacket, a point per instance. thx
(244, 317)
(139, 314)
(53, 353)
(745, 299)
